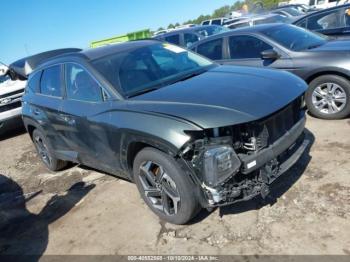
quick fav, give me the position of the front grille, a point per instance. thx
(264, 132)
(10, 106)
(12, 93)
(282, 121)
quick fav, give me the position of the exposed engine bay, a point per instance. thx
(237, 163)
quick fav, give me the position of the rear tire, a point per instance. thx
(156, 174)
(325, 89)
(45, 152)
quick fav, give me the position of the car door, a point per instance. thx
(85, 112)
(47, 105)
(213, 49)
(246, 50)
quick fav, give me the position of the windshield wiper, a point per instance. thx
(140, 92)
(188, 76)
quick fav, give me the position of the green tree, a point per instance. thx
(170, 26)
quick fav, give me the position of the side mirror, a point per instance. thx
(270, 54)
(3, 69)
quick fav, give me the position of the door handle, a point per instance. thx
(36, 111)
(67, 119)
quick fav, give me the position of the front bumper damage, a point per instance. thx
(258, 171)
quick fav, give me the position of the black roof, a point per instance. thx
(95, 53)
(23, 67)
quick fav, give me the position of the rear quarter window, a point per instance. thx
(33, 85)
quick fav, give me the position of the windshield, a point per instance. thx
(211, 30)
(150, 67)
(292, 11)
(4, 78)
(294, 38)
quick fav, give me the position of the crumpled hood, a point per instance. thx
(223, 96)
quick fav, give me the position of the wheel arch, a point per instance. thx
(132, 144)
(313, 76)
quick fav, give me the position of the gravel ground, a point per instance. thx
(82, 211)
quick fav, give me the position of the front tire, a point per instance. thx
(165, 188)
(45, 152)
(328, 97)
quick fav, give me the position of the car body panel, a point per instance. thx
(333, 56)
(175, 118)
(226, 94)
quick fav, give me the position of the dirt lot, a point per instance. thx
(81, 211)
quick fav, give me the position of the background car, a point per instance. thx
(188, 36)
(11, 92)
(300, 7)
(253, 20)
(188, 132)
(215, 21)
(324, 64)
(288, 12)
(333, 21)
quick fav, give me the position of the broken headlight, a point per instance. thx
(219, 163)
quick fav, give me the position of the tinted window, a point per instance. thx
(149, 67)
(246, 47)
(190, 39)
(294, 38)
(211, 30)
(327, 20)
(34, 82)
(302, 23)
(239, 25)
(51, 81)
(174, 39)
(205, 23)
(4, 78)
(211, 49)
(216, 22)
(80, 85)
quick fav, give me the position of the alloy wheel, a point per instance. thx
(42, 150)
(159, 188)
(329, 98)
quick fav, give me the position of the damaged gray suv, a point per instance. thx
(190, 133)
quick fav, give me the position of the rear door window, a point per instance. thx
(245, 46)
(173, 39)
(51, 84)
(211, 49)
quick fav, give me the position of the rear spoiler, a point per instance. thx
(21, 69)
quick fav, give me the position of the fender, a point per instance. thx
(162, 132)
(326, 70)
